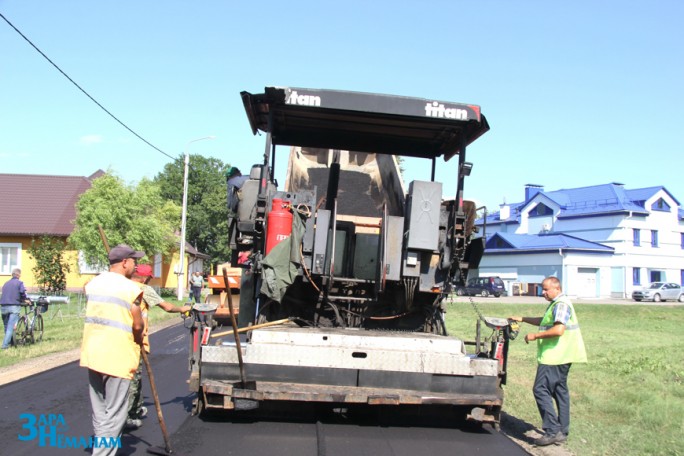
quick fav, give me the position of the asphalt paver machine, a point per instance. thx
(346, 271)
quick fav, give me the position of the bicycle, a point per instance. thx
(29, 327)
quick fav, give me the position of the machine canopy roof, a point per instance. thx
(364, 122)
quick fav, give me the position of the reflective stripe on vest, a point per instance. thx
(568, 348)
(106, 299)
(567, 327)
(110, 323)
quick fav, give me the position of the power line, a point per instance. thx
(86, 93)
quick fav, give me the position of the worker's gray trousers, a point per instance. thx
(551, 391)
(109, 400)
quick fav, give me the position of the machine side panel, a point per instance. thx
(423, 222)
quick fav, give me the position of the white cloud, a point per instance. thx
(90, 139)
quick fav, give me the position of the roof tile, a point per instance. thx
(37, 205)
(541, 242)
(585, 201)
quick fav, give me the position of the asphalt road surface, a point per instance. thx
(58, 400)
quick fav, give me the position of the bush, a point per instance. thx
(167, 292)
(50, 269)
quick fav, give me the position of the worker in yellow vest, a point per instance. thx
(142, 275)
(112, 335)
(559, 344)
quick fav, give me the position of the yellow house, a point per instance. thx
(32, 206)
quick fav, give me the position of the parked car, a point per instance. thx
(482, 286)
(659, 291)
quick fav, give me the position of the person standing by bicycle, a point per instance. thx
(143, 274)
(13, 295)
(112, 336)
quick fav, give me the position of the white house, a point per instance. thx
(600, 241)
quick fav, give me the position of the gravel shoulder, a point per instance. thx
(524, 433)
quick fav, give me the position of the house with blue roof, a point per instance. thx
(600, 241)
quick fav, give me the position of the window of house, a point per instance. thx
(541, 210)
(497, 242)
(654, 238)
(10, 257)
(660, 205)
(86, 268)
(682, 236)
(681, 277)
(637, 237)
(636, 276)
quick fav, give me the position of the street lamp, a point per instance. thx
(181, 284)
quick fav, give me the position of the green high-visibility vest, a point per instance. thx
(568, 348)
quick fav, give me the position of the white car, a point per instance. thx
(659, 291)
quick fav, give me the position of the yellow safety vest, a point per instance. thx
(144, 308)
(108, 346)
(568, 348)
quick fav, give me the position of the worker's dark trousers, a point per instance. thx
(197, 293)
(551, 390)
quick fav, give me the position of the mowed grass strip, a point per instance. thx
(628, 399)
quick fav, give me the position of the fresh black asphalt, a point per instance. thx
(294, 429)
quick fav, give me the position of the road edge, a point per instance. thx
(43, 363)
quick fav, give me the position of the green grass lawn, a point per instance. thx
(628, 399)
(63, 329)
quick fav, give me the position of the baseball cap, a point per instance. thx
(123, 251)
(144, 270)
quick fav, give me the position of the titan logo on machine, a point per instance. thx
(435, 109)
(303, 100)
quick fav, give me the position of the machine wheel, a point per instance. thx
(484, 293)
(656, 298)
(460, 292)
(496, 295)
(637, 299)
(198, 407)
(20, 336)
(38, 328)
(681, 298)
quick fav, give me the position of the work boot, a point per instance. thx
(143, 412)
(548, 439)
(132, 424)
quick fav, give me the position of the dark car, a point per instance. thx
(482, 286)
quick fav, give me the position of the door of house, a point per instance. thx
(586, 282)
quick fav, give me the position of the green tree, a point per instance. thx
(50, 269)
(134, 215)
(207, 213)
(400, 162)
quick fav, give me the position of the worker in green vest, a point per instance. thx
(559, 344)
